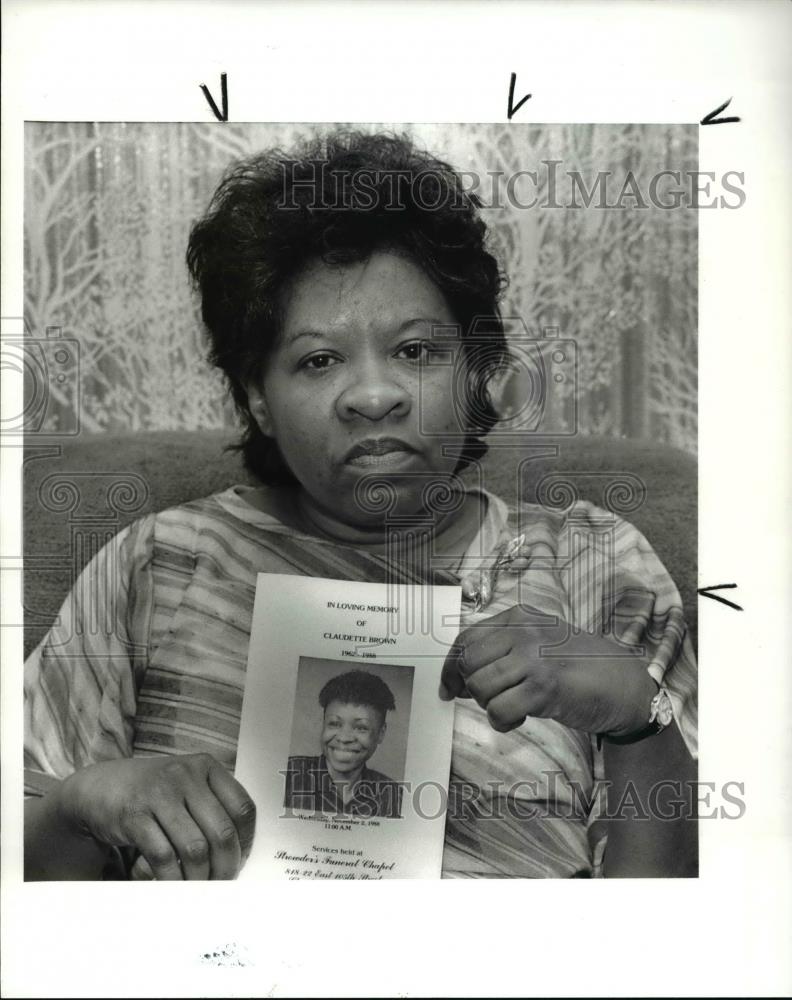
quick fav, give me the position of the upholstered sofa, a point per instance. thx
(79, 492)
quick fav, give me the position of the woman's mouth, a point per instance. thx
(390, 459)
(380, 452)
(344, 754)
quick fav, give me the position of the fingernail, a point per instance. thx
(445, 694)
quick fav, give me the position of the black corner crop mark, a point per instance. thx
(220, 116)
(712, 118)
(706, 592)
(513, 108)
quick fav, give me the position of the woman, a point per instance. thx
(324, 277)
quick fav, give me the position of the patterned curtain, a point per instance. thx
(109, 206)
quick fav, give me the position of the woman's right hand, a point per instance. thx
(188, 817)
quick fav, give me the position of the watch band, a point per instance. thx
(661, 715)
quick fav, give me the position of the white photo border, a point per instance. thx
(726, 932)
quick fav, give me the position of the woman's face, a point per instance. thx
(350, 735)
(353, 388)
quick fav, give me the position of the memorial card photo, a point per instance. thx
(349, 738)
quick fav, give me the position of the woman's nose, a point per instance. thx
(373, 394)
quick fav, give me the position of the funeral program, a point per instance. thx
(345, 745)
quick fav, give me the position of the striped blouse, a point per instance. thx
(149, 651)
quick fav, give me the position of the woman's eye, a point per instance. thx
(318, 362)
(417, 350)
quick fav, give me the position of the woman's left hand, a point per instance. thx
(587, 682)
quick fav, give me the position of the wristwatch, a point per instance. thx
(661, 715)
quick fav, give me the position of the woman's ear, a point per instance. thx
(257, 404)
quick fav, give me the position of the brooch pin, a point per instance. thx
(478, 588)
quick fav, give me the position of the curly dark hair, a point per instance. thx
(340, 198)
(356, 687)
